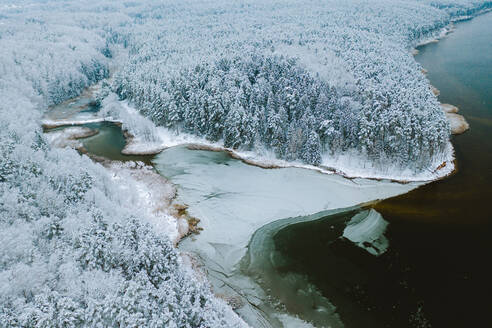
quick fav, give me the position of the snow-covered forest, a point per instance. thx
(308, 80)
(76, 249)
(307, 83)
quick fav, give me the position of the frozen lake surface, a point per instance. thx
(233, 200)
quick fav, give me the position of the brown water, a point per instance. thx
(444, 229)
(437, 271)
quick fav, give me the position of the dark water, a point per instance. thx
(109, 143)
(437, 271)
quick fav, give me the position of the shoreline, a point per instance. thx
(157, 194)
(321, 169)
(48, 124)
(450, 28)
(247, 158)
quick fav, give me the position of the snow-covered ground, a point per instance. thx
(134, 146)
(353, 165)
(457, 123)
(80, 120)
(153, 195)
(448, 108)
(69, 137)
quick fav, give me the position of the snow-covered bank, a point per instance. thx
(457, 123)
(134, 146)
(349, 165)
(435, 91)
(435, 37)
(448, 108)
(153, 195)
(149, 191)
(69, 137)
(353, 165)
(51, 124)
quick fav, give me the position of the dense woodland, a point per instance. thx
(304, 81)
(76, 251)
(306, 84)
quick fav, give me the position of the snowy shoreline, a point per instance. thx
(52, 124)
(137, 147)
(153, 192)
(325, 168)
(164, 139)
(157, 196)
(447, 29)
(457, 123)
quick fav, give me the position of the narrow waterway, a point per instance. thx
(437, 269)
